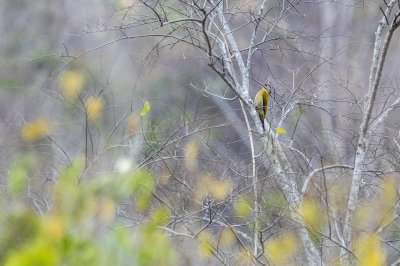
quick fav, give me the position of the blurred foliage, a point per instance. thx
(192, 149)
(80, 222)
(244, 257)
(36, 129)
(81, 227)
(71, 83)
(43, 60)
(227, 237)
(94, 107)
(281, 249)
(369, 250)
(210, 186)
(205, 244)
(242, 207)
(313, 217)
(133, 123)
(18, 174)
(312, 214)
(276, 201)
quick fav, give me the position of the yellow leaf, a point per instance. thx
(133, 123)
(53, 227)
(280, 130)
(71, 82)
(164, 174)
(106, 208)
(362, 215)
(220, 189)
(382, 207)
(279, 250)
(203, 185)
(227, 237)
(126, 3)
(311, 213)
(191, 153)
(94, 107)
(142, 201)
(35, 129)
(242, 207)
(337, 195)
(145, 108)
(369, 251)
(244, 257)
(388, 194)
(209, 185)
(205, 246)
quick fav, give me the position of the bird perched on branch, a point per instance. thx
(261, 104)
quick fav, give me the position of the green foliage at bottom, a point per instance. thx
(82, 227)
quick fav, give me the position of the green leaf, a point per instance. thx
(18, 174)
(242, 207)
(21, 226)
(17, 180)
(161, 216)
(38, 253)
(154, 247)
(145, 109)
(72, 173)
(142, 183)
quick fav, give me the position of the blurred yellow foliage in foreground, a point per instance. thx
(81, 225)
(369, 251)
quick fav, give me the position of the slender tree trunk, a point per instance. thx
(378, 61)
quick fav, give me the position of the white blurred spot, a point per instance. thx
(123, 165)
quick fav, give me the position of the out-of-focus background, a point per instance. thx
(75, 91)
(39, 39)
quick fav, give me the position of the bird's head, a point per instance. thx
(269, 88)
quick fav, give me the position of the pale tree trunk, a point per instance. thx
(280, 163)
(378, 61)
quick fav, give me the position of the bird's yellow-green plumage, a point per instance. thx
(261, 104)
